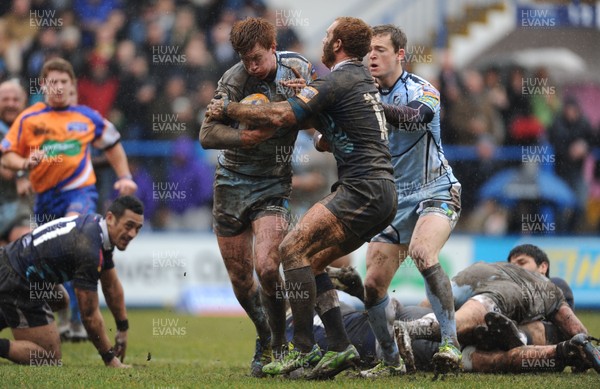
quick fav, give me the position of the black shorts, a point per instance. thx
(240, 199)
(365, 207)
(22, 305)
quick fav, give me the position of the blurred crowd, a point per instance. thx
(151, 67)
(553, 130)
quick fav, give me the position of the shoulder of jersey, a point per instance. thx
(291, 55)
(39, 106)
(235, 72)
(87, 111)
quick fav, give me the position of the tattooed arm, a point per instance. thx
(264, 115)
(414, 112)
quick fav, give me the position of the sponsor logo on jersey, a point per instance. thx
(307, 94)
(431, 96)
(77, 126)
(70, 148)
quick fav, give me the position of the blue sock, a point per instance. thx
(439, 293)
(381, 319)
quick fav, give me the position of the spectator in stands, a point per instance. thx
(450, 88)
(99, 88)
(546, 104)
(15, 188)
(224, 54)
(190, 188)
(205, 93)
(591, 172)
(472, 174)
(199, 62)
(136, 93)
(523, 127)
(144, 181)
(18, 24)
(45, 46)
(105, 43)
(165, 14)
(165, 121)
(518, 102)
(184, 28)
(124, 56)
(287, 39)
(70, 46)
(473, 116)
(495, 91)
(571, 136)
(91, 14)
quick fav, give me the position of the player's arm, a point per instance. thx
(413, 112)
(567, 321)
(216, 135)
(115, 300)
(108, 139)
(13, 161)
(420, 109)
(275, 115)
(117, 159)
(94, 325)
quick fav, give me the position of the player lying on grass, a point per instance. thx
(577, 352)
(534, 259)
(78, 248)
(517, 293)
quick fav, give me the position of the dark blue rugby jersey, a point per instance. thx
(70, 248)
(357, 130)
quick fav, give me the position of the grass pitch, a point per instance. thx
(171, 350)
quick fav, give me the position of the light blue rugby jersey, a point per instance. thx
(416, 148)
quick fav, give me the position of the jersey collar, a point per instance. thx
(337, 65)
(106, 245)
(386, 91)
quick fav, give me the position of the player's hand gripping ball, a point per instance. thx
(253, 99)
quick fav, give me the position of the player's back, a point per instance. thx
(416, 148)
(356, 132)
(271, 158)
(55, 251)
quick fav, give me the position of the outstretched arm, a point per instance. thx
(94, 324)
(115, 300)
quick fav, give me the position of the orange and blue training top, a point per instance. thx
(65, 135)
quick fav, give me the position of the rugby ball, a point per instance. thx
(253, 99)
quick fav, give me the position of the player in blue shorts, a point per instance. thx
(428, 202)
(77, 248)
